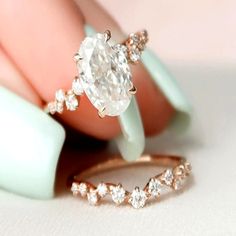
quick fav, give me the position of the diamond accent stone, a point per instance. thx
(83, 188)
(168, 177)
(52, 107)
(60, 95)
(177, 184)
(71, 102)
(102, 189)
(135, 55)
(77, 87)
(75, 188)
(92, 197)
(138, 198)
(59, 107)
(154, 187)
(105, 75)
(118, 194)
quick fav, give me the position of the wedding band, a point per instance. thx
(104, 75)
(178, 169)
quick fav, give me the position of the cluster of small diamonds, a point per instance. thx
(66, 99)
(135, 45)
(172, 178)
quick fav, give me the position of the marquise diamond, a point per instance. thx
(154, 187)
(138, 198)
(118, 194)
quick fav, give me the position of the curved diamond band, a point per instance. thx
(171, 178)
(104, 74)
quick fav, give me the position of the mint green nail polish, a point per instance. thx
(170, 89)
(30, 146)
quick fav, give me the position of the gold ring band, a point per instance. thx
(178, 169)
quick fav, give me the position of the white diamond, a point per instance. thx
(177, 184)
(59, 107)
(154, 187)
(105, 75)
(118, 194)
(168, 177)
(77, 87)
(60, 95)
(71, 102)
(92, 197)
(83, 189)
(52, 107)
(75, 188)
(102, 189)
(138, 198)
(135, 55)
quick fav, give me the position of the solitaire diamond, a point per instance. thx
(104, 75)
(118, 194)
(154, 187)
(138, 198)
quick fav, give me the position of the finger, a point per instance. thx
(156, 111)
(50, 33)
(11, 78)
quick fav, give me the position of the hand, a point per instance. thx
(38, 41)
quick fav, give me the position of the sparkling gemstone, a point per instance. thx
(92, 197)
(77, 87)
(168, 177)
(105, 75)
(60, 95)
(52, 107)
(75, 188)
(59, 107)
(177, 184)
(138, 198)
(135, 55)
(71, 102)
(83, 189)
(154, 187)
(102, 189)
(118, 194)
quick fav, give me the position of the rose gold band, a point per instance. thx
(178, 169)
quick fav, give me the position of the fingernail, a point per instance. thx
(132, 141)
(168, 85)
(30, 146)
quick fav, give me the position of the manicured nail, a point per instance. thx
(168, 85)
(30, 146)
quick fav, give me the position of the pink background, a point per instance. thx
(201, 31)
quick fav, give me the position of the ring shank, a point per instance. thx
(117, 162)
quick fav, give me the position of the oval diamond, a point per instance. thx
(105, 75)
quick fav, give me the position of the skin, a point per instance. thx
(37, 42)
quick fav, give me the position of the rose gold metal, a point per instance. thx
(133, 90)
(179, 167)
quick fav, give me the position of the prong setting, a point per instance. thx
(107, 35)
(133, 90)
(77, 57)
(101, 113)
